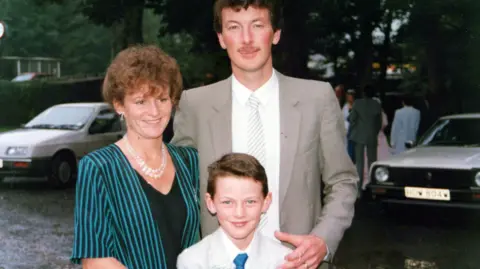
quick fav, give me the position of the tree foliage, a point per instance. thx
(55, 30)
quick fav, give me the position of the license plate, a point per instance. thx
(419, 264)
(1, 163)
(427, 193)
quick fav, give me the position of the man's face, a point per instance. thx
(239, 204)
(339, 92)
(247, 35)
(350, 98)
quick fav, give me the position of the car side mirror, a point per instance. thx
(409, 144)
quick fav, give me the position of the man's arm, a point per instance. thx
(352, 117)
(339, 176)
(394, 130)
(417, 123)
(184, 124)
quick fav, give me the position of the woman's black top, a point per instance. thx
(169, 213)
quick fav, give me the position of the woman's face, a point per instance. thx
(146, 114)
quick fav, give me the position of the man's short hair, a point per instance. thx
(273, 8)
(239, 165)
(352, 92)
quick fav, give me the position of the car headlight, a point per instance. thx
(477, 179)
(381, 174)
(16, 151)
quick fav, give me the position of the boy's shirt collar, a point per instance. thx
(232, 250)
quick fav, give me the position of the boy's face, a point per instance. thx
(239, 204)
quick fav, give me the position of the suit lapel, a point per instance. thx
(290, 118)
(255, 256)
(221, 126)
(217, 257)
(221, 122)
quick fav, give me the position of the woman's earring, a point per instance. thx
(122, 117)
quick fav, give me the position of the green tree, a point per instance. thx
(59, 31)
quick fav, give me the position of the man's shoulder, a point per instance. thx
(309, 90)
(200, 97)
(205, 90)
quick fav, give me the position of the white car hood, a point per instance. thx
(436, 157)
(30, 137)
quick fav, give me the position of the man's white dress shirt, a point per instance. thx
(269, 110)
(269, 96)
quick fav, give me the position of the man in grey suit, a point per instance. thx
(405, 126)
(365, 124)
(294, 127)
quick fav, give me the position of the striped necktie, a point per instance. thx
(256, 138)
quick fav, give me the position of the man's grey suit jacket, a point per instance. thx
(365, 121)
(312, 147)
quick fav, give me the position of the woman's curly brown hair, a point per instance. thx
(138, 66)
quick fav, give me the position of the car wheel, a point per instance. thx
(62, 172)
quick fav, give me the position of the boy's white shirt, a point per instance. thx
(217, 251)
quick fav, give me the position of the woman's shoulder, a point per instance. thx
(183, 151)
(102, 156)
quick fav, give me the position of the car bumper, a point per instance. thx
(25, 167)
(464, 198)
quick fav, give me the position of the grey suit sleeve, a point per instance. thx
(339, 176)
(395, 128)
(417, 123)
(184, 124)
(352, 117)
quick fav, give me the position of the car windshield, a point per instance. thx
(61, 117)
(453, 132)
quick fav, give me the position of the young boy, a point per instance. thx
(237, 192)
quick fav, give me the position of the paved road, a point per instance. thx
(433, 238)
(36, 229)
(36, 225)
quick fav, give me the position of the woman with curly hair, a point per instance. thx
(136, 200)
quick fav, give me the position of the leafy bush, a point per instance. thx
(20, 102)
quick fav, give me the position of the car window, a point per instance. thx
(453, 132)
(107, 121)
(61, 117)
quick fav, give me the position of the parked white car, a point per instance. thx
(52, 143)
(442, 169)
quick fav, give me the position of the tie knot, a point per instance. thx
(253, 101)
(240, 260)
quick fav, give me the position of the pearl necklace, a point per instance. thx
(153, 173)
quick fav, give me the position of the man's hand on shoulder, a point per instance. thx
(309, 253)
